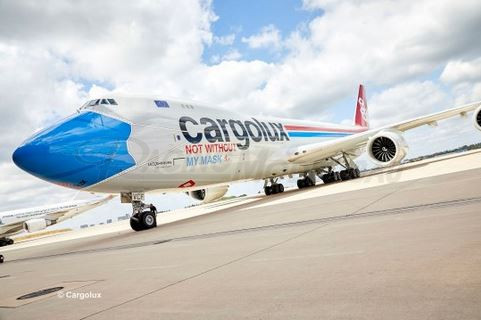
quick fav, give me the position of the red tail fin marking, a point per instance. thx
(361, 115)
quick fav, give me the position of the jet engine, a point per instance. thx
(33, 225)
(477, 118)
(210, 194)
(387, 148)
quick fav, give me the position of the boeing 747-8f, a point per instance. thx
(136, 145)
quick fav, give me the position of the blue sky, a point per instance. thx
(245, 18)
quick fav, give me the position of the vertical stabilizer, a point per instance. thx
(361, 117)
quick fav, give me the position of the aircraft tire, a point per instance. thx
(136, 225)
(148, 220)
(280, 187)
(268, 190)
(352, 173)
(1, 259)
(345, 175)
(301, 183)
(357, 172)
(309, 182)
(9, 242)
(275, 189)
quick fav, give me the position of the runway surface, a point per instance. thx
(399, 244)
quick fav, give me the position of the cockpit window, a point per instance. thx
(93, 103)
(96, 102)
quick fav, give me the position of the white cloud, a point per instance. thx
(225, 40)
(232, 55)
(406, 101)
(459, 71)
(269, 37)
(465, 79)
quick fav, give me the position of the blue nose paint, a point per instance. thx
(78, 152)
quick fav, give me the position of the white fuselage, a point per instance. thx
(188, 146)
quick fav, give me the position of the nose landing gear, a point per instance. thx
(143, 216)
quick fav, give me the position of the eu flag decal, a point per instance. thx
(161, 104)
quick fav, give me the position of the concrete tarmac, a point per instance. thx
(400, 244)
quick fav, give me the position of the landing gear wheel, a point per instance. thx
(280, 187)
(301, 183)
(135, 224)
(309, 182)
(9, 242)
(304, 183)
(268, 191)
(1, 259)
(352, 173)
(275, 189)
(326, 178)
(331, 177)
(148, 220)
(357, 173)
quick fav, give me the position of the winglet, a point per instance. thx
(361, 117)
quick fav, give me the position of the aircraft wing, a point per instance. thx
(11, 228)
(310, 153)
(61, 215)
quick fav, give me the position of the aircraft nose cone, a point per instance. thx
(24, 155)
(78, 152)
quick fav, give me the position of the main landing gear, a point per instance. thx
(327, 175)
(1, 259)
(350, 171)
(273, 188)
(343, 175)
(143, 216)
(5, 242)
(306, 182)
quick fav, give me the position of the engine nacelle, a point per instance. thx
(477, 118)
(210, 194)
(387, 148)
(35, 225)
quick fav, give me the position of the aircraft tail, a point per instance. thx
(361, 117)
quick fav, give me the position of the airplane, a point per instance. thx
(133, 145)
(38, 218)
